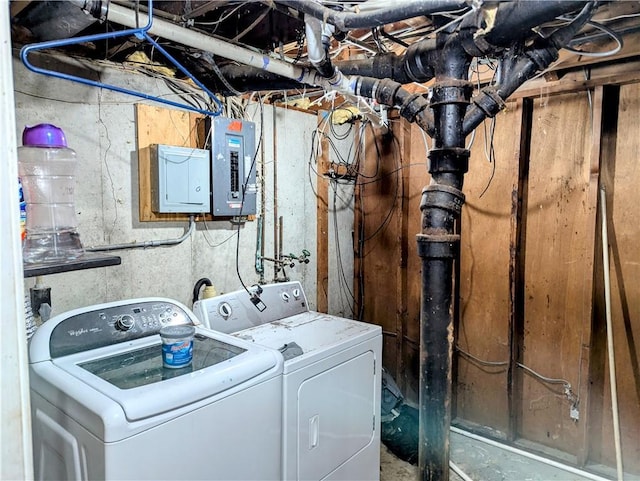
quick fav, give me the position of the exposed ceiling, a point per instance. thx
(278, 29)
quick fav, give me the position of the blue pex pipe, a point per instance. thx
(138, 32)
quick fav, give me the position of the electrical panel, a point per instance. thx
(180, 179)
(233, 170)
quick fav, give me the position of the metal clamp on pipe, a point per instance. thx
(435, 246)
(449, 159)
(451, 91)
(440, 206)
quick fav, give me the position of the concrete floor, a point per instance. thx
(484, 462)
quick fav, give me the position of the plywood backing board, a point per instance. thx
(379, 246)
(555, 258)
(417, 170)
(486, 244)
(557, 267)
(159, 125)
(621, 178)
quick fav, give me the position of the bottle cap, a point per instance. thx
(43, 135)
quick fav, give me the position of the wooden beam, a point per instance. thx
(517, 250)
(322, 237)
(587, 309)
(560, 86)
(569, 60)
(402, 226)
(358, 248)
(18, 6)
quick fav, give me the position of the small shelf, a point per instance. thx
(89, 260)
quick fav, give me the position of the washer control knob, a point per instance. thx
(296, 293)
(225, 310)
(285, 296)
(124, 323)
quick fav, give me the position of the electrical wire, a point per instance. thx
(491, 154)
(608, 31)
(568, 392)
(209, 241)
(244, 191)
(223, 17)
(343, 282)
(391, 210)
(481, 361)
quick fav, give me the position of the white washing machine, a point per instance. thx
(331, 388)
(104, 407)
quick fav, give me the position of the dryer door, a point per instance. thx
(336, 416)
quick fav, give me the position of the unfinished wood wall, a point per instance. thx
(530, 364)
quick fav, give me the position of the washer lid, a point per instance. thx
(134, 377)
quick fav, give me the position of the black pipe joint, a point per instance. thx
(442, 197)
(386, 92)
(438, 246)
(543, 57)
(383, 91)
(474, 45)
(325, 68)
(412, 106)
(489, 101)
(449, 159)
(440, 206)
(419, 60)
(451, 91)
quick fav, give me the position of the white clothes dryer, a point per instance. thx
(332, 383)
(104, 407)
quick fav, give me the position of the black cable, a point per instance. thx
(393, 38)
(343, 279)
(492, 157)
(387, 218)
(244, 190)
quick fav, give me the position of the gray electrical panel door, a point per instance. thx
(233, 171)
(180, 179)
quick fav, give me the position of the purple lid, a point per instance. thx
(43, 135)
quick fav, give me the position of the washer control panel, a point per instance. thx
(240, 310)
(111, 323)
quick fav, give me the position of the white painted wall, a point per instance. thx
(100, 127)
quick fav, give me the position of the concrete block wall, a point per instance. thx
(100, 127)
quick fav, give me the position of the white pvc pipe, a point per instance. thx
(610, 349)
(169, 31)
(454, 467)
(526, 454)
(313, 31)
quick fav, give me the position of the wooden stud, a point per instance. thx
(587, 331)
(322, 222)
(517, 250)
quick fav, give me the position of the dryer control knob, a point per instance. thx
(285, 296)
(124, 323)
(225, 310)
(296, 293)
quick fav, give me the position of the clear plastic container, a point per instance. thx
(47, 169)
